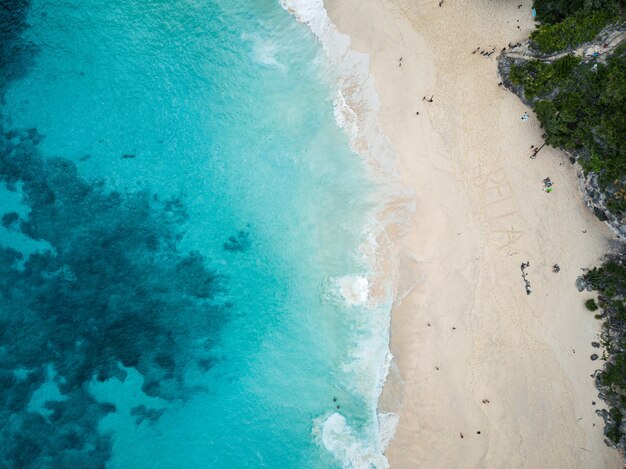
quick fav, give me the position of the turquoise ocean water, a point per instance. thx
(181, 274)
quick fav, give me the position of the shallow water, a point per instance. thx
(181, 278)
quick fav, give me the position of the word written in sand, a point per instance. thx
(500, 210)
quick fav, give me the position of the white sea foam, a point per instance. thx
(354, 289)
(387, 424)
(356, 104)
(355, 111)
(263, 51)
(346, 118)
(334, 433)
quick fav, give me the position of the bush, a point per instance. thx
(613, 432)
(539, 78)
(615, 372)
(591, 304)
(555, 11)
(581, 27)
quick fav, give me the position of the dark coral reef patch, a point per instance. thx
(113, 290)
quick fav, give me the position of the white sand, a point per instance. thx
(481, 212)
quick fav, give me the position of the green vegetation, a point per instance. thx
(591, 304)
(610, 282)
(582, 106)
(566, 23)
(613, 431)
(539, 78)
(571, 32)
(615, 372)
(555, 11)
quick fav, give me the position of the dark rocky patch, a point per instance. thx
(238, 243)
(141, 413)
(15, 54)
(600, 214)
(116, 291)
(9, 218)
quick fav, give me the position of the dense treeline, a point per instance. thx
(555, 11)
(566, 23)
(582, 107)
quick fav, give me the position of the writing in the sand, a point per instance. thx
(500, 210)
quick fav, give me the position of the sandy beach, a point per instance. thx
(484, 374)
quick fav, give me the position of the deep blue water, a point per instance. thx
(179, 211)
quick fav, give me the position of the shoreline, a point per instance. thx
(473, 352)
(355, 108)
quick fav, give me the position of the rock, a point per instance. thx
(595, 344)
(239, 242)
(600, 214)
(9, 218)
(581, 284)
(594, 357)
